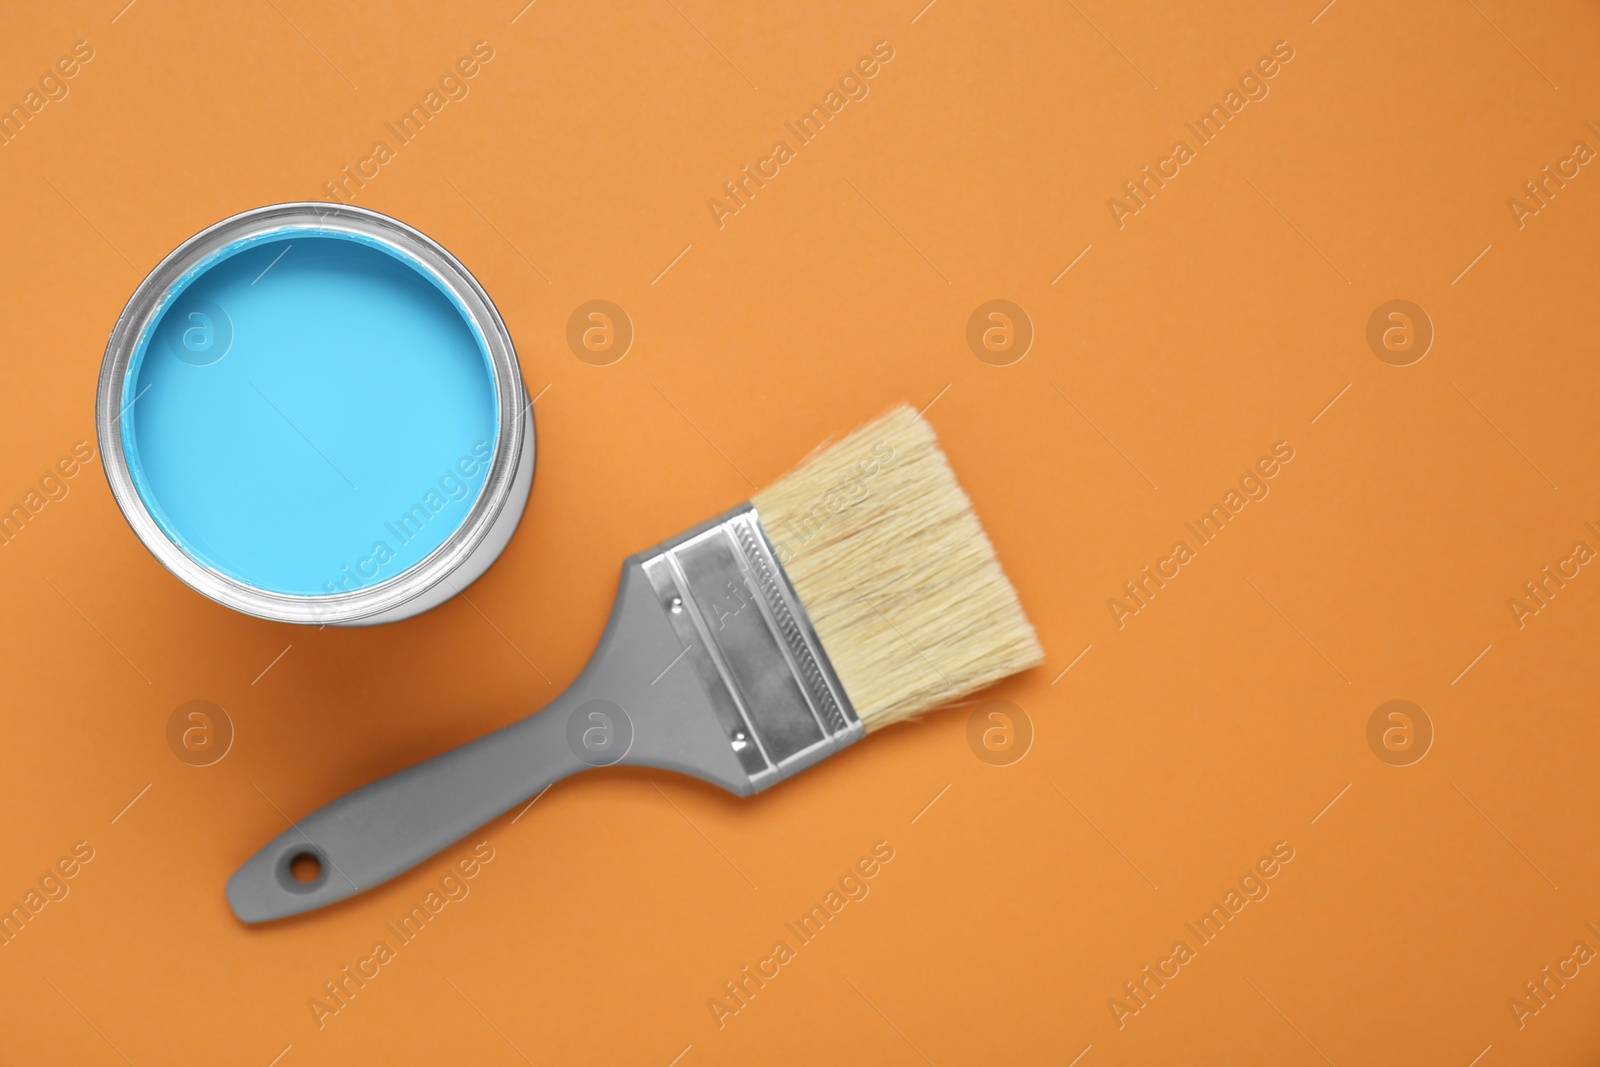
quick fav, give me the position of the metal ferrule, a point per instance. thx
(750, 643)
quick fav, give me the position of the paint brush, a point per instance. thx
(857, 590)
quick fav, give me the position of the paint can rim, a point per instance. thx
(474, 536)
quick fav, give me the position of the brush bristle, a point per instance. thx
(897, 575)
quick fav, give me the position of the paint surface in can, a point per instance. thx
(313, 413)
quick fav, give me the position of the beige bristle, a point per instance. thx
(896, 573)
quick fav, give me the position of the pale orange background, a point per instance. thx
(1223, 718)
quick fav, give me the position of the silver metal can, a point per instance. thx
(469, 548)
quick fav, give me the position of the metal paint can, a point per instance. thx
(455, 552)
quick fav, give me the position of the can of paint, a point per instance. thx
(249, 392)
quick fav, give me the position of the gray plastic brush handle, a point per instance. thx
(371, 835)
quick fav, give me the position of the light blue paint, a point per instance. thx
(313, 413)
